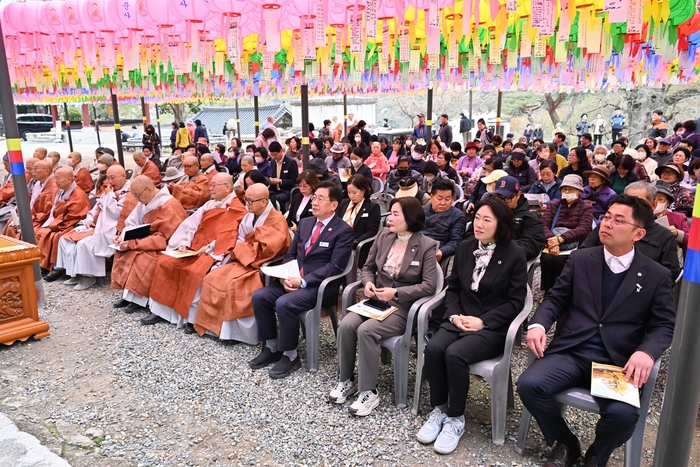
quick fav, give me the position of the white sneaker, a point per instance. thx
(448, 439)
(72, 281)
(342, 391)
(85, 283)
(364, 404)
(430, 430)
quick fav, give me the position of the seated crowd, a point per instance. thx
(215, 219)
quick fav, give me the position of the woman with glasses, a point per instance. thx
(300, 204)
(359, 212)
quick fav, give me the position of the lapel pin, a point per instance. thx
(330, 229)
(639, 274)
(499, 261)
(639, 287)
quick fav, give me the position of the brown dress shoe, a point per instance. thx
(563, 456)
(590, 459)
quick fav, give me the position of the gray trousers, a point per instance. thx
(369, 333)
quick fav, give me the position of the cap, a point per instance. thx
(172, 174)
(507, 186)
(421, 114)
(493, 176)
(202, 140)
(6, 157)
(518, 154)
(600, 170)
(670, 166)
(100, 150)
(338, 148)
(408, 187)
(665, 141)
(573, 181)
(472, 145)
(664, 188)
(106, 159)
(108, 151)
(318, 165)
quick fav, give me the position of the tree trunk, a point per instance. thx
(552, 105)
(178, 111)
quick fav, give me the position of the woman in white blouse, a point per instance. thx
(300, 205)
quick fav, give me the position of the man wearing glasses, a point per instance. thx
(208, 235)
(284, 171)
(322, 247)
(193, 190)
(612, 305)
(135, 260)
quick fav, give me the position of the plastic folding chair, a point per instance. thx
(365, 244)
(581, 398)
(494, 370)
(377, 185)
(383, 200)
(397, 346)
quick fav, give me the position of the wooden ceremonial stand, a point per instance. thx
(19, 316)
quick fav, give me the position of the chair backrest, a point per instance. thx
(383, 200)
(460, 181)
(459, 193)
(377, 185)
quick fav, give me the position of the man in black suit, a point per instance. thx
(322, 246)
(612, 305)
(284, 172)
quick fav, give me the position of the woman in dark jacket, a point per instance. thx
(578, 164)
(357, 159)
(363, 215)
(173, 135)
(518, 168)
(151, 137)
(300, 204)
(623, 173)
(485, 292)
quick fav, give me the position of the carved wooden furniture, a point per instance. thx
(19, 317)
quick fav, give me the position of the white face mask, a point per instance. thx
(640, 157)
(660, 207)
(569, 197)
(409, 143)
(358, 140)
(70, 162)
(600, 158)
(416, 156)
(356, 163)
(429, 178)
(102, 167)
(259, 160)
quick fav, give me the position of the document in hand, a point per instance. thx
(608, 381)
(137, 231)
(179, 254)
(283, 271)
(15, 218)
(363, 309)
(663, 220)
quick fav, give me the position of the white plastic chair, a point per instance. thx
(494, 370)
(383, 200)
(364, 244)
(397, 346)
(377, 185)
(581, 399)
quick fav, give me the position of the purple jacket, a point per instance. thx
(602, 200)
(469, 165)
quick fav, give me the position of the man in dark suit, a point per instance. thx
(322, 246)
(612, 305)
(284, 172)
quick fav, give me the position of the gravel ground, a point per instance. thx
(104, 390)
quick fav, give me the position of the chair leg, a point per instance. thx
(499, 401)
(633, 446)
(401, 377)
(525, 418)
(511, 400)
(420, 359)
(332, 312)
(312, 338)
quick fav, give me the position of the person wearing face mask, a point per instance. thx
(567, 222)
(104, 162)
(600, 155)
(643, 156)
(673, 174)
(81, 174)
(674, 221)
(262, 162)
(418, 159)
(358, 165)
(402, 170)
(598, 192)
(431, 173)
(377, 162)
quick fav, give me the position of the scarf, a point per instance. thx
(483, 255)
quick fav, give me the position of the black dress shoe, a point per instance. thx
(285, 367)
(189, 328)
(132, 308)
(563, 455)
(55, 275)
(151, 319)
(590, 459)
(44, 272)
(121, 303)
(264, 358)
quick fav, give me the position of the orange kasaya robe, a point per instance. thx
(40, 210)
(176, 280)
(227, 291)
(66, 214)
(7, 191)
(133, 269)
(84, 180)
(130, 203)
(151, 171)
(192, 195)
(210, 174)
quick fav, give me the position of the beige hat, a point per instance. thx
(573, 181)
(172, 174)
(494, 176)
(408, 188)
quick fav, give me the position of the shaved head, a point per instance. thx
(139, 158)
(208, 158)
(140, 183)
(64, 177)
(76, 156)
(260, 194)
(191, 165)
(222, 177)
(40, 153)
(42, 170)
(55, 157)
(190, 160)
(221, 186)
(29, 163)
(64, 171)
(116, 176)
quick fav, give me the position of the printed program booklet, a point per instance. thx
(608, 381)
(361, 308)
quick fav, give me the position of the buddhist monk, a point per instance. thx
(29, 173)
(145, 167)
(225, 306)
(55, 159)
(42, 196)
(208, 167)
(193, 190)
(211, 232)
(136, 259)
(84, 253)
(70, 206)
(7, 188)
(40, 153)
(80, 173)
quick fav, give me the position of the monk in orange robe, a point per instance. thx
(225, 306)
(212, 232)
(70, 206)
(7, 188)
(208, 167)
(41, 199)
(135, 261)
(81, 174)
(146, 167)
(193, 190)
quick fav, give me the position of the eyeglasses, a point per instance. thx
(616, 221)
(214, 185)
(251, 201)
(139, 195)
(319, 199)
(503, 198)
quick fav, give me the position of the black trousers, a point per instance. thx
(597, 139)
(447, 359)
(616, 134)
(563, 370)
(551, 268)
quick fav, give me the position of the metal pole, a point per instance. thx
(429, 118)
(14, 149)
(305, 124)
(498, 113)
(471, 118)
(238, 123)
(345, 113)
(257, 116)
(70, 137)
(680, 408)
(97, 125)
(117, 128)
(160, 135)
(143, 114)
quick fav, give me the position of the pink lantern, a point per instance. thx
(11, 17)
(158, 13)
(387, 9)
(337, 15)
(96, 12)
(191, 10)
(230, 6)
(425, 4)
(128, 13)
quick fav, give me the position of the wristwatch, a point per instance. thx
(452, 318)
(396, 295)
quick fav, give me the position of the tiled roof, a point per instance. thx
(214, 118)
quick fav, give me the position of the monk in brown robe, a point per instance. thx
(208, 167)
(7, 187)
(136, 259)
(193, 190)
(70, 206)
(80, 173)
(55, 159)
(40, 154)
(145, 167)
(41, 200)
(225, 306)
(211, 232)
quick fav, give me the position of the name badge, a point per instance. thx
(324, 244)
(285, 171)
(365, 215)
(415, 263)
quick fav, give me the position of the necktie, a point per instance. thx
(314, 236)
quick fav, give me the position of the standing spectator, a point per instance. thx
(264, 139)
(445, 132)
(182, 138)
(326, 131)
(598, 192)
(200, 131)
(151, 138)
(271, 125)
(598, 129)
(538, 133)
(420, 130)
(582, 127)
(559, 139)
(528, 133)
(483, 133)
(618, 123)
(173, 135)
(465, 127)
(659, 127)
